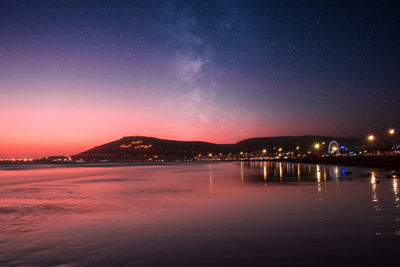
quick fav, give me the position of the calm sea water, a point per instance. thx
(219, 214)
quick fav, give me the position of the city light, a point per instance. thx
(316, 146)
(371, 137)
(264, 151)
(392, 131)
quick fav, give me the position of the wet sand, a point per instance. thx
(224, 214)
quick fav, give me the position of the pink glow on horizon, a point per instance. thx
(46, 129)
(40, 131)
(45, 121)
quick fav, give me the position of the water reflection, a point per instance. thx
(170, 215)
(242, 171)
(319, 178)
(373, 184)
(336, 174)
(375, 200)
(265, 172)
(269, 171)
(210, 178)
(395, 184)
(298, 172)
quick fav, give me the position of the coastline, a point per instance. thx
(383, 162)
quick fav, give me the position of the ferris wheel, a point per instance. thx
(333, 147)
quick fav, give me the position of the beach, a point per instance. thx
(220, 214)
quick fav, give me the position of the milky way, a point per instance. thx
(75, 74)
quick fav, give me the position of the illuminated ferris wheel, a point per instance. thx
(333, 147)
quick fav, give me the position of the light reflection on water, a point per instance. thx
(238, 213)
(291, 172)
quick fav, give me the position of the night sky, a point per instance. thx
(75, 74)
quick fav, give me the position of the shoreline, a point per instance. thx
(383, 162)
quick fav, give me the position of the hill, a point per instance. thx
(142, 148)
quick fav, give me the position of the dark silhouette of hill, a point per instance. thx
(143, 148)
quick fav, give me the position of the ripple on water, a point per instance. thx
(26, 218)
(111, 180)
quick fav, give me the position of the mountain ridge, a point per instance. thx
(145, 147)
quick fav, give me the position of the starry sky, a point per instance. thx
(76, 74)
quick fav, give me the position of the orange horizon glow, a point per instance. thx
(35, 126)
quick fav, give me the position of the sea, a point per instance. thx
(251, 213)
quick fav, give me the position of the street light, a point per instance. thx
(392, 131)
(264, 151)
(371, 137)
(317, 148)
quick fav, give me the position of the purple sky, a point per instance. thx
(75, 74)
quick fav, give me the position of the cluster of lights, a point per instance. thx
(371, 137)
(17, 159)
(139, 145)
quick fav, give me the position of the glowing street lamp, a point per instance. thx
(317, 148)
(371, 138)
(264, 151)
(392, 131)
